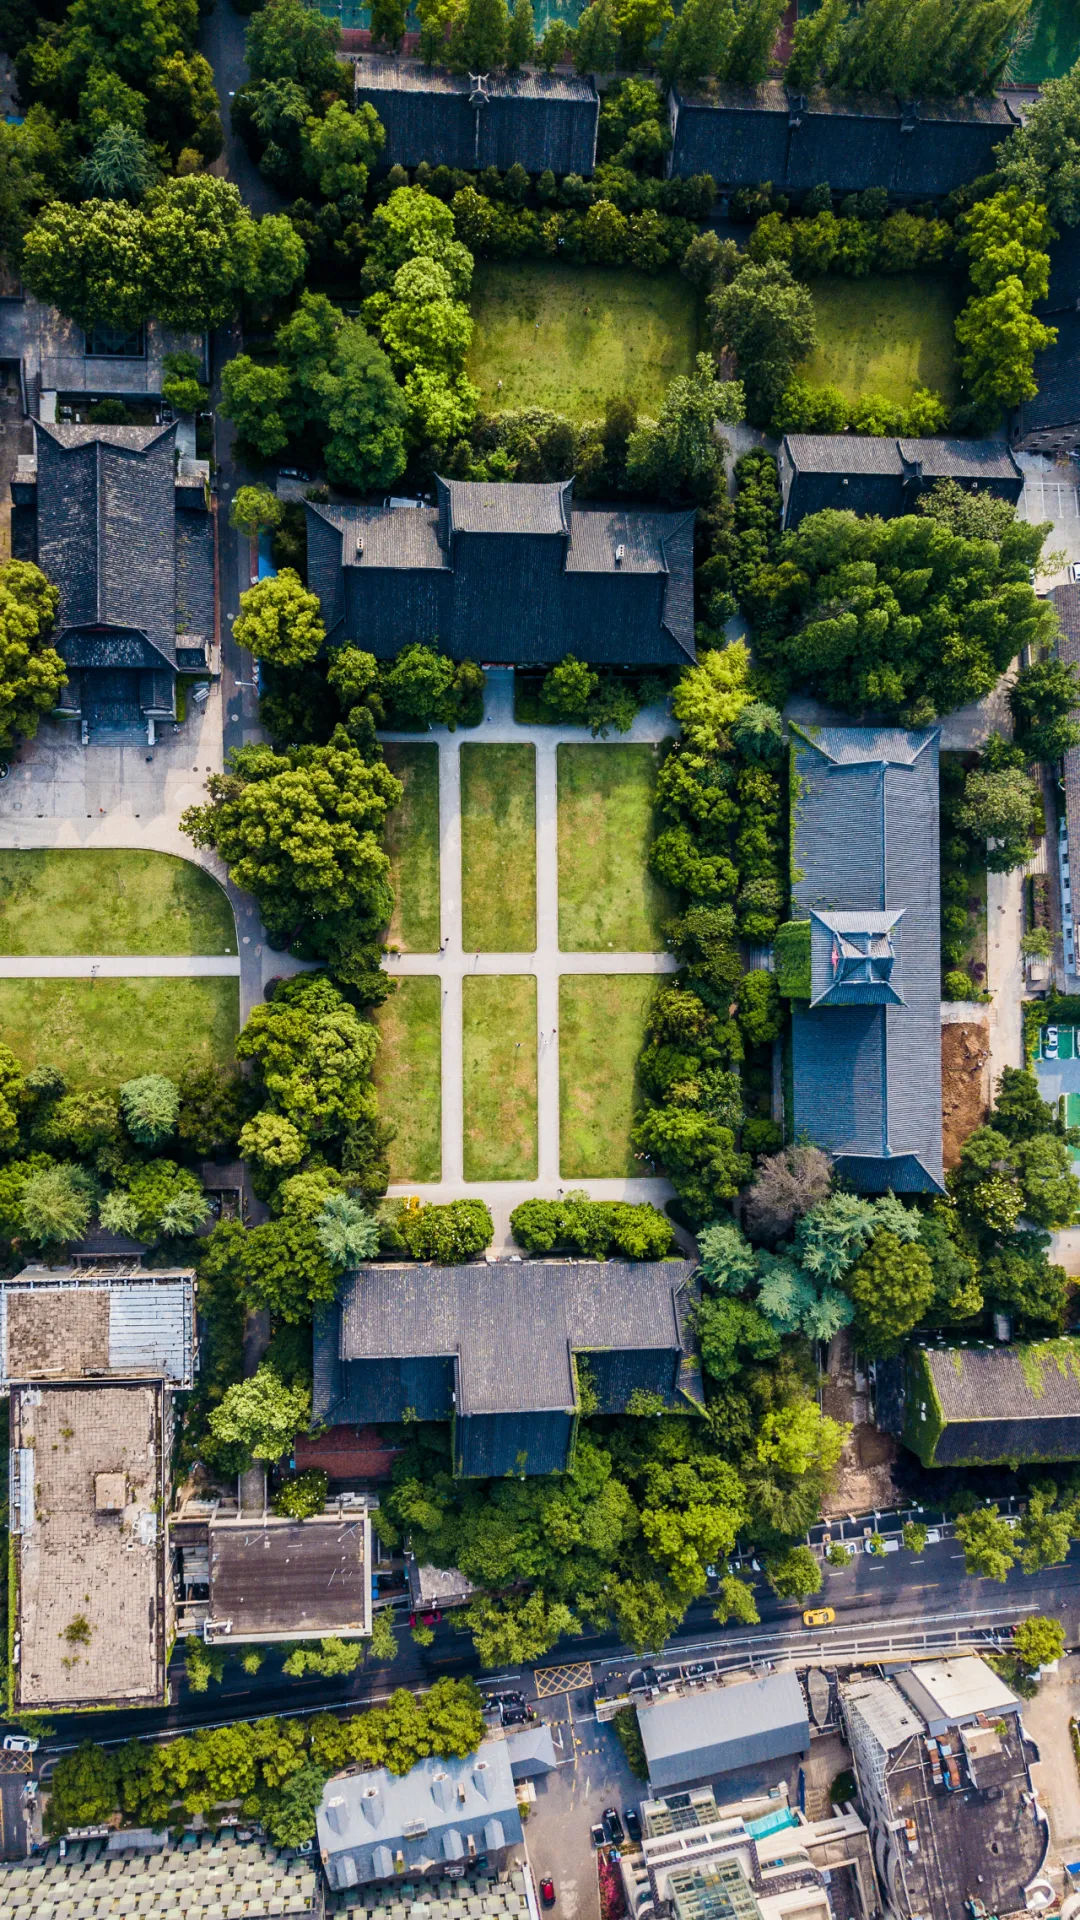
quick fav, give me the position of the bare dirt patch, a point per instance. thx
(965, 1084)
(863, 1478)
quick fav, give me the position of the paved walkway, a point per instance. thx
(118, 966)
(547, 963)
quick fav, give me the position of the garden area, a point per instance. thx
(607, 896)
(408, 1077)
(499, 1066)
(602, 1020)
(102, 1032)
(110, 901)
(411, 838)
(571, 337)
(885, 335)
(498, 849)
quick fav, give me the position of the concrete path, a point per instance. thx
(1005, 969)
(119, 966)
(547, 963)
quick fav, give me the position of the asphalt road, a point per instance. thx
(904, 1595)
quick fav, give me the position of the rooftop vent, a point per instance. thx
(620, 554)
(359, 545)
(372, 1806)
(482, 1780)
(442, 1790)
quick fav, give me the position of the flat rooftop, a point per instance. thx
(86, 1498)
(75, 1323)
(968, 1839)
(290, 1579)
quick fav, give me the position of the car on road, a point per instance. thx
(599, 1837)
(633, 1824)
(613, 1826)
(20, 1743)
(818, 1617)
(699, 1668)
(547, 1893)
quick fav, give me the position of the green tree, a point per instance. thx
(1046, 1529)
(892, 1286)
(158, 1201)
(794, 1575)
(710, 696)
(280, 621)
(521, 35)
(150, 1106)
(555, 42)
(568, 688)
(340, 148)
(766, 319)
(314, 1054)
(261, 1415)
(640, 24)
(388, 19)
(280, 1265)
(915, 1536)
(261, 403)
(691, 1518)
(735, 1601)
(989, 1548)
(757, 24)
(86, 1793)
(1000, 806)
(1038, 1642)
(799, 1438)
(11, 1089)
(814, 46)
(300, 831)
(119, 166)
(255, 510)
(999, 336)
(479, 36)
(596, 46)
(456, 1231)
(515, 1632)
(681, 455)
(1042, 159)
(330, 1658)
(697, 44)
(1043, 698)
(411, 224)
(383, 1642)
(56, 1205)
(31, 672)
(346, 1232)
(287, 41)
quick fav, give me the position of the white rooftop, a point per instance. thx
(957, 1689)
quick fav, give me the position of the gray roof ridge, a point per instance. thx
(117, 626)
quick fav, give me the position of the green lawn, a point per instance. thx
(885, 335)
(412, 841)
(1054, 46)
(607, 896)
(570, 337)
(499, 1061)
(102, 1032)
(601, 1032)
(76, 900)
(408, 1076)
(498, 849)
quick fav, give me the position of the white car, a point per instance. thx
(20, 1743)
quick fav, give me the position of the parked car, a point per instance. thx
(818, 1617)
(613, 1826)
(633, 1824)
(547, 1893)
(599, 1837)
(20, 1743)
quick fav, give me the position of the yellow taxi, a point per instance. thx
(819, 1617)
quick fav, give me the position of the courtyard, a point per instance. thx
(885, 335)
(510, 1044)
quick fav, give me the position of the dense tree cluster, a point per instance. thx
(1041, 159)
(1005, 239)
(592, 1228)
(31, 671)
(275, 1769)
(905, 617)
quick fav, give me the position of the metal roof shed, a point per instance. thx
(952, 1693)
(699, 1736)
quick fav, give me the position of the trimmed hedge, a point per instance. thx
(791, 948)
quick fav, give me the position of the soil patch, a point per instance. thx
(965, 1084)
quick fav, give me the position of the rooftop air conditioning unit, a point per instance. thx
(620, 554)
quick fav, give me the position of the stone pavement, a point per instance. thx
(547, 963)
(119, 792)
(1046, 1719)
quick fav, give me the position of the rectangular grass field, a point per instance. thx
(498, 848)
(103, 1032)
(408, 1076)
(499, 1062)
(115, 900)
(601, 1032)
(570, 338)
(607, 896)
(411, 839)
(887, 335)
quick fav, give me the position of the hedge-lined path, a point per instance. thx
(453, 964)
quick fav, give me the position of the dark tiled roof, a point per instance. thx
(1057, 375)
(510, 573)
(868, 1077)
(1008, 1403)
(542, 120)
(129, 566)
(495, 1345)
(1063, 295)
(867, 474)
(744, 135)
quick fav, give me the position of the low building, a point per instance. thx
(432, 1589)
(867, 1041)
(123, 529)
(91, 1359)
(916, 150)
(751, 1859)
(983, 1406)
(146, 1872)
(440, 1816)
(276, 1579)
(1050, 421)
(502, 1350)
(91, 1323)
(532, 1752)
(512, 574)
(700, 1736)
(62, 368)
(541, 121)
(934, 1839)
(865, 473)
